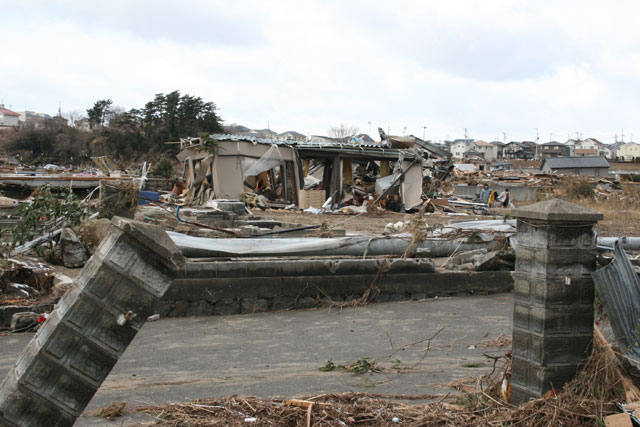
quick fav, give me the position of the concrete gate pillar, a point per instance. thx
(64, 364)
(553, 295)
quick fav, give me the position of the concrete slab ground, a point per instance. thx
(279, 353)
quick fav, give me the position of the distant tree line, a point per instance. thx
(122, 135)
(166, 118)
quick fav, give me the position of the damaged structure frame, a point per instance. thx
(227, 166)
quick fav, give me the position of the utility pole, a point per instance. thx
(466, 134)
(424, 132)
(537, 136)
(369, 128)
(622, 137)
(504, 137)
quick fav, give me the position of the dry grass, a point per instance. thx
(621, 166)
(621, 211)
(114, 410)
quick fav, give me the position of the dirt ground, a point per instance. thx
(618, 220)
(365, 224)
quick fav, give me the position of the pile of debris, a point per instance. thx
(24, 281)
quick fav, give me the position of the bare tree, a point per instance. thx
(342, 133)
(73, 117)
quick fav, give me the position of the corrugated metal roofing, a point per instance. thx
(619, 290)
(319, 145)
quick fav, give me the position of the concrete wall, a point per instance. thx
(517, 193)
(158, 184)
(604, 172)
(233, 287)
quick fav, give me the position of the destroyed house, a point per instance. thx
(230, 166)
(584, 166)
(358, 172)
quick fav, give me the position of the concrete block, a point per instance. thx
(72, 250)
(75, 349)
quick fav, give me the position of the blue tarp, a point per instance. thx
(144, 197)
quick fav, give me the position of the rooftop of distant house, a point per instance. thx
(8, 112)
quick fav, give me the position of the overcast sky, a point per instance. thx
(489, 66)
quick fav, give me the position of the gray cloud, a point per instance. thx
(194, 23)
(480, 50)
(497, 55)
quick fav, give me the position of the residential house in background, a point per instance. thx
(499, 146)
(628, 152)
(461, 146)
(518, 150)
(571, 143)
(591, 147)
(489, 151)
(8, 118)
(583, 166)
(553, 149)
(532, 146)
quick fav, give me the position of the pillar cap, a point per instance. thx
(153, 238)
(557, 210)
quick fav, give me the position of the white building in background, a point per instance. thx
(591, 147)
(461, 146)
(8, 118)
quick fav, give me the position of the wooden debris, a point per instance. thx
(618, 420)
